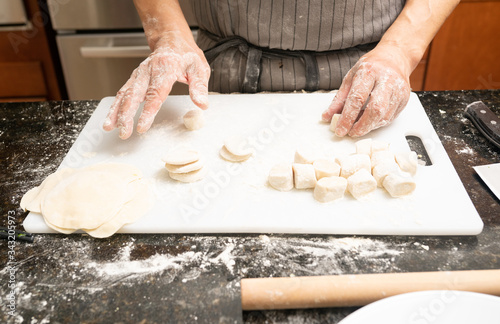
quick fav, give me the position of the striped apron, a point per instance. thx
(287, 45)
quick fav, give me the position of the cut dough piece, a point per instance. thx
(134, 209)
(228, 156)
(382, 157)
(281, 177)
(364, 146)
(381, 170)
(193, 119)
(304, 176)
(379, 146)
(192, 176)
(330, 189)
(333, 123)
(85, 199)
(398, 184)
(190, 167)
(361, 183)
(352, 163)
(304, 155)
(408, 162)
(326, 168)
(238, 146)
(181, 157)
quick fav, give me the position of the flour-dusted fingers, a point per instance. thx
(339, 99)
(198, 75)
(111, 120)
(400, 95)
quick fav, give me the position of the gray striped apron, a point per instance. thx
(287, 45)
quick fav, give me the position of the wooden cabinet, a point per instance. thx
(27, 69)
(465, 54)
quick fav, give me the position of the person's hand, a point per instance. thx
(380, 79)
(173, 59)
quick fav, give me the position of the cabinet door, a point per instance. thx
(465, 54)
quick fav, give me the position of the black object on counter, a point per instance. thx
(485, 121)
(18, 235)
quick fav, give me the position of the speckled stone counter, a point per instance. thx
(195, 278)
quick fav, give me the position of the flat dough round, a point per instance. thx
(238, 146)
(228, 156)
(190, 167)
(194, 119)
(181, 157)
(84, 199)
(189, 176)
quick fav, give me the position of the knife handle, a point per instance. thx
(485, 121)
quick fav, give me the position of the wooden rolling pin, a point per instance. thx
(358, 290)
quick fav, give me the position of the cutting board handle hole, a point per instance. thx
(418, 146)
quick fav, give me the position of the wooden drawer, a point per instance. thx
(22, 79)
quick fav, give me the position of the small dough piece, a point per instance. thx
(398, 185)
(304, 155)
(192, 176)
(381, 170)
(181, 157)
(379, 146)
(333, 123)
(281, 177)
(228, 156)
(237, 145)
(408, 162)
(304, 176)
(364, 146)
(190, 167)
(326, 168)
(194, 119)
(382, 157)
(330, 189)
(361, 183)
(353, 163)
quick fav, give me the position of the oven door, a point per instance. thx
(97, 65)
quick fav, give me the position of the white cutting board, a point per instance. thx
(235, 198)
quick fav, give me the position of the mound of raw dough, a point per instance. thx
(98, 199)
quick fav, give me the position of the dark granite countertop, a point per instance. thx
(195, 278)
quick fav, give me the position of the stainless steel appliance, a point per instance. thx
(12, 15)
(100, 43)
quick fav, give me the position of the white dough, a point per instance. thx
(186, 167)
(228, 156)
(194, 119)
(352, 163)
(238, 146)
(281, 177)
(192, 176)
(334, 121)
(398, 185)
(364, 146)
(181, 157)
(408, 162)
(304, 176)
(381, 170)
(382, 157)
(379, 146)
(304, 155)
(326, 168)
(329, 189)
(361, 183)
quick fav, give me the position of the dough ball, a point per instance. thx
(228, 156)
(382, 157)
(304, 155)
(194, 119)
(379, 146)
(364, 146)
(408, 162)
(329, 189)
(361, 183)
(304, 176)
(238, 146)
(352, 163)
(181, 157)
(334, 121)
(381, 170)
(281, 177)
(399, 184)
(326, 168)
(186, 167)
(192, 176)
